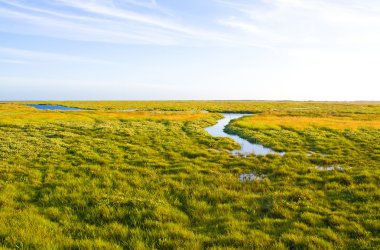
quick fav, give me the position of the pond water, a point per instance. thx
(329, 168)
(52, 107)
(246, 147)
(251, 177)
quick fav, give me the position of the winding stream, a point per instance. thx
(246, 147)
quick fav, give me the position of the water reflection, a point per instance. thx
(52, 107)
(251, 177)
(329, 168)
(246, 147)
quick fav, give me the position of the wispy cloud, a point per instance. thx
(110, 9)
(299, 23)
(261, 23)
(127, 22)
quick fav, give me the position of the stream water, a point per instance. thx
(246, 147)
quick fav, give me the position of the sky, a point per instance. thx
(190, 50)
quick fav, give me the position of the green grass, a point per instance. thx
(104, 179)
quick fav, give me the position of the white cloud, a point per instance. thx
(104, 21)
(312, 23)
(262, 23)
(111, 10)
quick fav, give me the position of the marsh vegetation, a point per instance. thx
(155, 179)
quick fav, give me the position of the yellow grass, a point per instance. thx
(354, 121)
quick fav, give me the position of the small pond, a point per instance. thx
(246, 147)
(52, 107)
(251, 177)
(329, 168)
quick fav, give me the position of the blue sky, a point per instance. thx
(189, 49)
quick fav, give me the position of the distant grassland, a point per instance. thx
(229, 106)
(353, 121)
(12, 113)
(113, 178)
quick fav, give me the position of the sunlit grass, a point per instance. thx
(353, 121)
(17, 113)
(107, 179)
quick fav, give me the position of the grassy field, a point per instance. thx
(154, 179)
